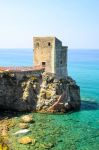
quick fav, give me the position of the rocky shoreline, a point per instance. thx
(21, 132)
(5, 125)
(43, 93)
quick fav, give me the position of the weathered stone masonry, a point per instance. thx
(49, 52)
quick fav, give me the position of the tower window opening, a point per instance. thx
(49, 44)
(37, 44)
(43, 64)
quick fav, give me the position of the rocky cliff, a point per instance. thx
(46, 93)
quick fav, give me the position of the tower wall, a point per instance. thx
(43, 49)
(61, 58)
(49, 52)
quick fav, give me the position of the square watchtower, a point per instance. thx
(49, 53)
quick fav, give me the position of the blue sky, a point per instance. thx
(75, 22)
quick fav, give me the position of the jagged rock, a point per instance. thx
(43, 95)
(34, 93)
(48, 94)
(61, 95)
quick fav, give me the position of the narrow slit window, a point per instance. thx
(49, 44)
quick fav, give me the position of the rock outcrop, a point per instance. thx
(58, 94)
(20, 95)
(46, 93)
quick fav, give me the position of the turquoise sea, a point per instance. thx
(73, 131)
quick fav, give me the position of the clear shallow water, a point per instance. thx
(75, 131)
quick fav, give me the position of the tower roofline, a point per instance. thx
(49, 37)
(58, 39)
(46, 37)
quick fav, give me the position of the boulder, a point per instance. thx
(27, 119)
(23, 125)
(25, 140)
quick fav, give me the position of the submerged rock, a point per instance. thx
(26, 140)
(47, 146)
(5, 125)
(27, 119)
(23, 125)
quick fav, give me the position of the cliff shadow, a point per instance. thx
(6, 114)
(89, 105)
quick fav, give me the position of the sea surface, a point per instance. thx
(73, 131)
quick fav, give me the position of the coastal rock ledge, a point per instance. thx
(44, 92)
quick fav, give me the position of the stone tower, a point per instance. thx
(49, 53)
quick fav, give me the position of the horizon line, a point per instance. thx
(68, 48)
